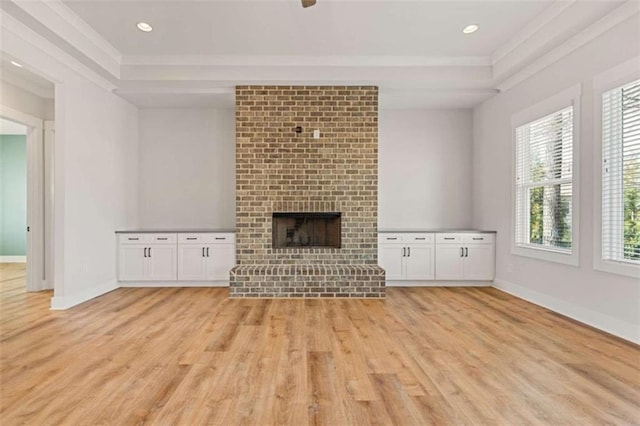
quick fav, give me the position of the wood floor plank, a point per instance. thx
(191, 356)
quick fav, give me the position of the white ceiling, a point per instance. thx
(11, 128)
(413, 50)
(361, 28)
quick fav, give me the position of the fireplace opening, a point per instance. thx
(306, 230)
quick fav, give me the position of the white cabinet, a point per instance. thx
(132, 262)
(192, 263)
(147, 257)
(468, 256)
(205, 257)
(406, 256)
(444, 256)
(449, 262)
(162, 262)
(391, 259)
(166, 257)
(223, 258)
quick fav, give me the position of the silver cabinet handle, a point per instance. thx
(461, 251)
(478, 239)
(149, 252)
(404, 251)
(421, 238)
(207, 251)
(133, 239)
(221, 238)
(192, 238)
(391, 238)
(408, 251)
(162, 238)
(144, 252)
(202, 251)
(449, 238)
(466, 252)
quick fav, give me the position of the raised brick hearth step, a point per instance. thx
(307, 281)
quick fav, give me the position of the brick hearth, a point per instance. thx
(279, 170)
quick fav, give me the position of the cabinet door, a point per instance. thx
(162, 261)
(192, 263)
(391, 260)
(479, 264)
(449, 262)
(131, 262)
(221, 258)
(419, 262)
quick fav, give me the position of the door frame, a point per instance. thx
(36, 274)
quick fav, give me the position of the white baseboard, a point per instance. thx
(432, 283)
(622, 329)
(13, 259)
(66, 302)
(173, 283)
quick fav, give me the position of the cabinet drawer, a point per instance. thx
(448, 238)
(390, 238)
(478, 238)
(419, 238)
(195, 238)
(147, 239)
(163, 238)
(207, 238)
(134, 238)
(222, 238)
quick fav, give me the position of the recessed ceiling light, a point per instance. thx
(143, 26)
(14, 63)
(470, 29)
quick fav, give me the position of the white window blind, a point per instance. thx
(544, 182)
(621, 174)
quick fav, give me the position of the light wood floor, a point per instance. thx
(193, 356)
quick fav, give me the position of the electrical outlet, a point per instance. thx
(316, 134)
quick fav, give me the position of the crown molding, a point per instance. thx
(305, 61)
(22, 43)
(627, 10)
(408, 77)
(17, 80)
(61, 20)
(230, 90)
(529, 30)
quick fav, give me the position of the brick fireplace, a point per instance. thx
(282, 171)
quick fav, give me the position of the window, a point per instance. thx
(545, 179)
(621, 174)
(544, 176)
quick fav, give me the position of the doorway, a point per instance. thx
(13, 194)
(27, 100)
(23, 189)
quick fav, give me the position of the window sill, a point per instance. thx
(619, 268)
(547, 254)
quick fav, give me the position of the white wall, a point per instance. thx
(100, 144)
(607, 301)
(187, 168)
(21, 100)
(96, 155)
(424, 169)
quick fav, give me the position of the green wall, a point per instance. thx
(13, 195)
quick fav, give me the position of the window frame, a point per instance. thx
(611, 79)
(566, 98)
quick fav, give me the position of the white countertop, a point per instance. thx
(434, 231)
